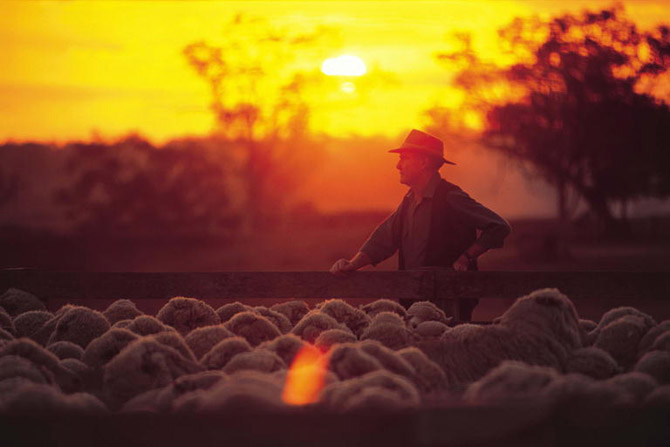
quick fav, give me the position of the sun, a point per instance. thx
(345, 65)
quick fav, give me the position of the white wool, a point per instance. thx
(656, 364)
(651, 335)
(638, 385)
(104, 348)
(260, 360)
(658, 398)
(390, 335)
(356, 320)
(293, 310)
(66, 350)
(313, 323)
(203, 339)
(370, 390)
(387, 317)
(79, 325)
(6, 322)
(176, 341)
(253, 327)
(286, 347)
(349, 360)
(389, 359)
(384, 305)
(185, 314)
(330, 337)
(224, 351)
(143, 365)
(14, 366)
(431, 329)
(277, 318)
(121, 310)
(15, 302)
(621, 338)
(32, 398)
(144, 325)
(618, 312)
(227, 311)
(423, 311)
(428, 376)
(511, 382)
(593, 362)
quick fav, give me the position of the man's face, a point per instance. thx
(410, 166)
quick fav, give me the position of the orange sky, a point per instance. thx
(71, 68)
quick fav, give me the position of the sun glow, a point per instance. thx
(305, 378)
(345, 65)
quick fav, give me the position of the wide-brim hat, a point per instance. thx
(421, 142)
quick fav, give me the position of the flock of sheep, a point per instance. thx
(190, 357)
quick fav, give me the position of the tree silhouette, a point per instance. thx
(132, 188)
(579, 106)
(257, 100)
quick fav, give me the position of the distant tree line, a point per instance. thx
(577, 108)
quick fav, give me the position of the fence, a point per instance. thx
(447, 289)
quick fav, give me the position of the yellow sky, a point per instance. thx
(70, 68)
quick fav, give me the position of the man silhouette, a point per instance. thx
(436, 225)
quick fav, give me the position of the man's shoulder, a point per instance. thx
(451, 189)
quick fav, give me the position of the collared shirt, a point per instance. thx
(416, 226)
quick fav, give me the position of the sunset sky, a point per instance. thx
(73, 69)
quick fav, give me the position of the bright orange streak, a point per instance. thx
(306, 376)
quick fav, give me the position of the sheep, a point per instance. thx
(286, 347)
(651, 335)
(224, 351)
(293, 310)
(355, 319)
(34, 398)
(587, 329)
(121, 310)
(388, 358)
(202, 339)
(621, 338)
(662, 342)
(78, 367)
(374, 391)
(278, 319)
(638, 385)
(13, 366)
(387, 317)
(66, 350)
(5, 335)
(578, 394)
(382, 305)
(28, 349)
(162, 399)
(255, 328)
(421, 311)
(227, 311)
(143, 365)
(186, 314)
(44, 333)
(250, 392)
(260, 360)
(540, 328)
(658, 398)
(29, 323)
(656, 364)
(16, 302)
(618, 312)
(428, 376)
(349, 360)
(431, 329)
(593, 362)
(143, 325)
(80, 325)
(6, 322)
(330, 337)
(313, 323)
(174, 340)
(511, 382)
(390, 335)
(104, 348)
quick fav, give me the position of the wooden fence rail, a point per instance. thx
(448, 289)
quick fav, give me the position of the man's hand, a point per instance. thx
(342, 266)
(461, 264)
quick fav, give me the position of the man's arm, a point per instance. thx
(494, 229)
(379, 246)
